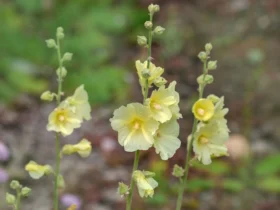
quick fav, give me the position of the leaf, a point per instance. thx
(268, 166)
(233, 185)
(270, 184)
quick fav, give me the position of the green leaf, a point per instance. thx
(268, 166)
(233, 185)
(216, 167)
(270, 184)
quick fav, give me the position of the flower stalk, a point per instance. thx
(183, 180)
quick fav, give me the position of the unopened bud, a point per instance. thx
(212, 65)
(51, 43)
(60, 33)
(142, 40)
(47, 96)
(146, 73)
(15, 185)
(123, 189)
(153, 8)
(148, 25)
(213, 98)
(25, 192)
(207, 79)
(160, 81)
(61, 72)
(10, 199)
(61, 183)
(178, 171)
(159, 30)
(67, 56)
(202, 56)
(208, 48)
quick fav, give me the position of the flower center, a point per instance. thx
(203, 140)
(200, 111)
(136, 125)
(156, 106)
(61, 118)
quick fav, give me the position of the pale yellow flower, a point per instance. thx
(83, 148)
(166, 139)
(36, 171)
(209, 141)
(175, 107)
(63, 120)
(145, 183)
(203, 109)
(135, 127)
(160, 102)
(79, 103)
(155, 72)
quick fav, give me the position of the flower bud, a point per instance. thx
(159, 30)
(51, 43)
(68, 149)
(142, 40)
(10, 199)
(153, 8)
(160, 81)
(61, 183)
(25, 192)
(61, 72)
(178, 171)
(207, 79)
(213, 98)
(208, 48)
(123, 189)
(148, 25)
(212, 65)
(60, 33)
(202, 56)
(47, 96)
(146, 73)
(67, 56)
(15, 185)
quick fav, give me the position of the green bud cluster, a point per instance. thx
(21, 191)
(178, 171)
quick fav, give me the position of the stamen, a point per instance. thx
(136, 126)
(61, 118)
(156, 106)
(200, 111)
(203, 140)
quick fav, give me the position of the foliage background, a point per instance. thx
(102, 36)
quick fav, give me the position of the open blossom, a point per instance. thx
(83, 148)
(219, 110)
(203, 109)
(175, 110)
(36, 171)
(160, 102)
(145, 183)
(209, 141)
(79, 103)
(135, 127)
(63, 120)
(155, 72)
(166, 139)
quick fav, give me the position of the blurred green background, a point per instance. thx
(102, 36)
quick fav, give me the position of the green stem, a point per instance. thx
(18, 200)
(132, 183)
(189, 147)
(57, 141)
(145, 96)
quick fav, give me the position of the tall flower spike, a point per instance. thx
(135, 127)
